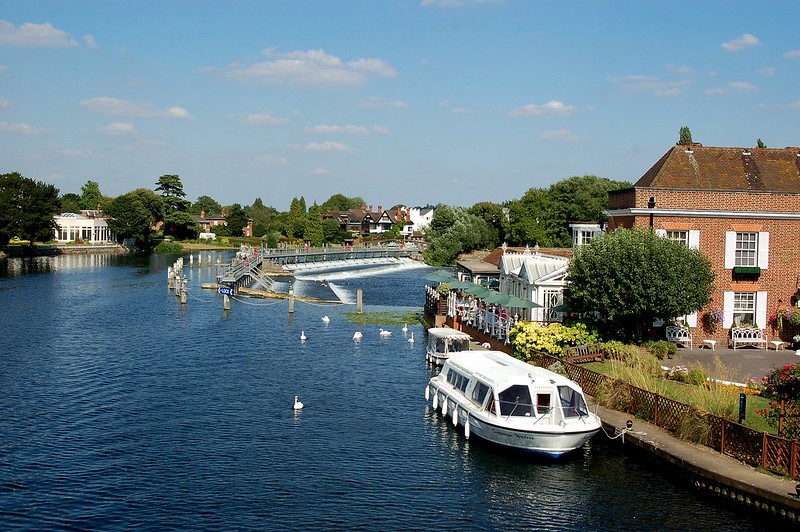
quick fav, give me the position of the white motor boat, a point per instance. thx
(442, 341)
(509, 402)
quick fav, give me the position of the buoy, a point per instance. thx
(455, 416)
(326, 319)
(405, 327)
(435, 400)
(427, 393)
(466, 428)
(411, 340)
(384, 332)
(302, 336)
(357, 335)
(297, 404)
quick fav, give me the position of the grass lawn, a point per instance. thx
(721, 400)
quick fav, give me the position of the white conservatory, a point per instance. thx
(88, 227)
(535, 277)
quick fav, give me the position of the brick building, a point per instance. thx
(741, 208)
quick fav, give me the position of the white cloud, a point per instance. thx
(767, 71)
(792, 54)
(118, 127)
(5, 104)
(681, 69)
(346, 130)
(461, 111)
(381, 130)
(117, 107)
(23, 129)
(552, 107)
(259, 119)
(310, 68)
(29, 34)
(636, 82)
(382, 103)
(328, 145)
(558, 134)
(740, 43)
(733, 86)
(794, 105)
(320, 171)
(90, 42)
(276, 160)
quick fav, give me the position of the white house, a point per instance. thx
(535, 277)
(89, 226)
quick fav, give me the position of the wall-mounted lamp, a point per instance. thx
(651, 204)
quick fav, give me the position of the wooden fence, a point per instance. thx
(758, 449)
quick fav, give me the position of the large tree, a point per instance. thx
(235, 219)
(133, 215)
(91, 198)
(453, 230)
(632, 277)
(340, 202)
(207, 204)
(313, 231)
(177, 220)
(296, 218)
(530, 221)
(27, 208)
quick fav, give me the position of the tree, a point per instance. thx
(27, 208)
(685, 136)
(207, 204)
(235, 219)
(91, 198)
(133, 215)
(70, 202)
(313, 231)
(340, 202)
(529, 219)
(331, 230)
(177, 220)
(760, 144)
(493, 214)
(453, 230)
(631, 277)
(295, 220)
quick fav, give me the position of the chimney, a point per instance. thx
(223, 212)
(380, 209)
(202, 214)
(363, 206)
(370, 208)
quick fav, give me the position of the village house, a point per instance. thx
(366, 221)
(741, 208)
(88, 227)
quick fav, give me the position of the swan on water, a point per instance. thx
(405, 327)
(411, 340)
(302, 336)
(297, 404)
(385, 332)
(357, 335)
(326, 319)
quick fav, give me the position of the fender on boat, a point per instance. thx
(444, 405)
(435, 399)
(455, 416)
(466, 427)
(427, 392)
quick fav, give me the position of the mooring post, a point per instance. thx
(360, 301)
(226, 302)
(184, 288)
(169, 277)
(291, 299)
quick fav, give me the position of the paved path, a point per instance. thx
(737, 365)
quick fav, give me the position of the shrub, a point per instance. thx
(696, 376)
(660, 349)
(169, 247)
(529, 336)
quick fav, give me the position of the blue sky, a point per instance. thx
(409, 102)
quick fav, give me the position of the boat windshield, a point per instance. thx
(572, 402)
(516, 401)
(457, 345)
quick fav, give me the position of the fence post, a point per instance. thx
(764, 443)
(722, 438)
(793, 460)
(655, 414)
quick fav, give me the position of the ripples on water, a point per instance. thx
(122, 410)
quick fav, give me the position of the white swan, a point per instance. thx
(302, 336)
(357, 335)
(326, 319)
(297, 404)
(411, 340)
(384, 332)
(405, 327)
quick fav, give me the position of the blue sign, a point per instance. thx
(225, 290)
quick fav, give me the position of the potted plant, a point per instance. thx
(712, 319)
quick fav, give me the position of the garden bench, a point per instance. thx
(679, 335)
(584, 353)
(748, 336)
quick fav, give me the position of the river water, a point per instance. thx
(120, 410)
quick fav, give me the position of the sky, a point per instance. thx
(412, 102)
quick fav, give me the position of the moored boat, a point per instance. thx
(509, 402)
(442, 341)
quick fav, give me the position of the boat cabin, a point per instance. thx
(442, 341)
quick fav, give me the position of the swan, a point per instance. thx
(297, 404)
(405, 327)
(302, 336)
(326, 319)
(384, 332)
(411, 340)
(357, 335)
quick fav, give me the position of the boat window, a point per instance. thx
(542, 403)
(516, 401)
(441, 346)
(464, 384)
(572, 402)
(479, 393)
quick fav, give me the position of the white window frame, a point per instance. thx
(761, 249)
(759, 308)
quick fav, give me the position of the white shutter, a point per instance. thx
(727, 310)
(694, 239)
(691, 319)
(661, 232)
(763, 250)
(761, 309)
(730, 250)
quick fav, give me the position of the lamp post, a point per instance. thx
(651, 204)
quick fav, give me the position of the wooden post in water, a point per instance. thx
(226, 302)
(183, 290)
(291, 299)
(360, 301)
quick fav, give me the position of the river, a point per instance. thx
(121, 409)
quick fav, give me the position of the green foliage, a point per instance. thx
(784, 382)
(171, 189)
(296, 218)
(527, 337)
(633, 277)
(27, 208)
(696, 377)
(530, 222)
(134, 214)
(70, 202)
(340, 202)
(454, 230)
(91, 198)
(659, 348)
(684, 137)
(760, 144)
(207, 204)
(167, 247)
(235, 219)
(314, 231)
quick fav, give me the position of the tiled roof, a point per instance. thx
(710, 168)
